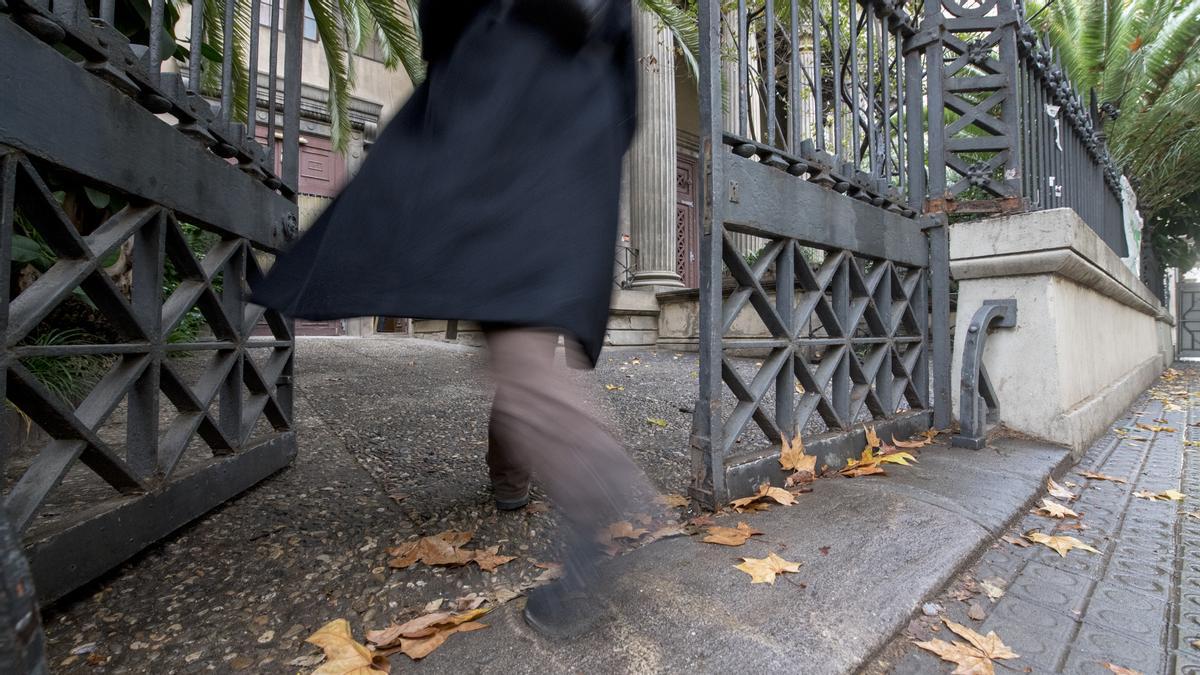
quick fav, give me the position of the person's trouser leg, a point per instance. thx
(539, 422)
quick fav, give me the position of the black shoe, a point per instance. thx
(512, 504)
(568, 607)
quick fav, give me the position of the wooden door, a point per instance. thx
(687, 235)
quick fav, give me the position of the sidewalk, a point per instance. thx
(1135, 603)
(393, 443)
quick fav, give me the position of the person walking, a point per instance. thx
(492, 196)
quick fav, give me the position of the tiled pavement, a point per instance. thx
(1136, 604)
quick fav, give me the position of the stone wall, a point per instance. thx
(1089, 336)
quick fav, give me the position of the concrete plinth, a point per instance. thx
(1089, 336)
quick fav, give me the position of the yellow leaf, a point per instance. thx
(1059, 492)
(1165, 495)
(902, 458)
(343, 655)
(614, 387)
(1055, 510)
(993, 591)
(1060, 543)
(1099, 476)
(967, 658)
(792, 457)
(765, 491)
(730, 536)
(1192, 444)
(489, 559)
(657, 421)
(873, 438)
(1154, 427)
(675, 501)
(763, 570)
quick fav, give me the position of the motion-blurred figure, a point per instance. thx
(492, 196)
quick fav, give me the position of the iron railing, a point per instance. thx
(1015, 134)
(817, 155)
(183, 193)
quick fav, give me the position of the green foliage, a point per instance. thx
(67, 377)
(1142, 57)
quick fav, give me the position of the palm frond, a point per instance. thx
(684, 28)
(326, 16)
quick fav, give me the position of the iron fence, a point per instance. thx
(817, 155)
(1015, 132)
(111, 161)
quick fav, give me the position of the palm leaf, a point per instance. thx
(684, 28)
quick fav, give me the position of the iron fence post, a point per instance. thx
(935, 226)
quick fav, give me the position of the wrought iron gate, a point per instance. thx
(1189, 318)
(822, 145)
(174, 422)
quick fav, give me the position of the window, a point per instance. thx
(310, 21)
(370, 48)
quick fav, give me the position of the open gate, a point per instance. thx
(813, 141)
(166, 405)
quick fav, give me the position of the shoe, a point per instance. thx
(512, 504)
(567, 608)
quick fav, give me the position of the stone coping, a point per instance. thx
(1055, 241)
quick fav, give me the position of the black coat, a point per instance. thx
(492, 196)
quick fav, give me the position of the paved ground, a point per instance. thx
(393, 444)
(1135, 604)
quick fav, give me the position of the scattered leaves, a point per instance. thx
(1059, 492)
(623, 530)
(730, 536)
(1099, 476)
(1165, 495)
(419, 637)
(976, 656)
(1054, 510)
(920, 441)
(869, 463)
(343, 655)
(757, 502)
(1016, 541)
(1154, 427)
(1060, 543)
(446, 549)
(763, 570)
(657, 421)
(1192, 514)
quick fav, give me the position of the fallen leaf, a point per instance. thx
(1120, 670)
(489, 559)
(439, 549)
(623, 530)
(433, 605)
(976, 612)
(675, 501)
(1192, 514)
(994, 591)
(974, 658)
(614, 387)
(918, 442)
(1154, 427)
(503, 595)
(343, 655)
(792, 457)
(1060, 543)
(897, 457)
(824, 550)
(419, 637)
(730, 536)
(1059, 492)
(1165, 495)
(800, 478)
(873, 438)
(1055, 510)
(1192, 444)
(1099, 476)
(1016, 541)
(657, 421)
(763, 570)
(756, 501)
(552, 571)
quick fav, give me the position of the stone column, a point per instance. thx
(652, 156)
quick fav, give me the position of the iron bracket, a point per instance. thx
(978, 405)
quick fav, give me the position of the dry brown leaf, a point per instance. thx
(863, 470)
(1059, 492)
(1055, 510)
(800, 478)
(919, 442)
(756, 501)
(1164, 496)
(440, 549)
(1060, 543)
(1099, 476)
(1154, 427)
(623, 530)
(419, 648)
(1016, 541)
(763, 570)
(873, 438)
(674, 501)
(420, 636)
(792, 457)
(730, 536)
(343, 655)
(1120, 670)
(994, 591)
(552, 571)
(489, 559)
(1192, 514)
(976, 612)
(976, 657)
